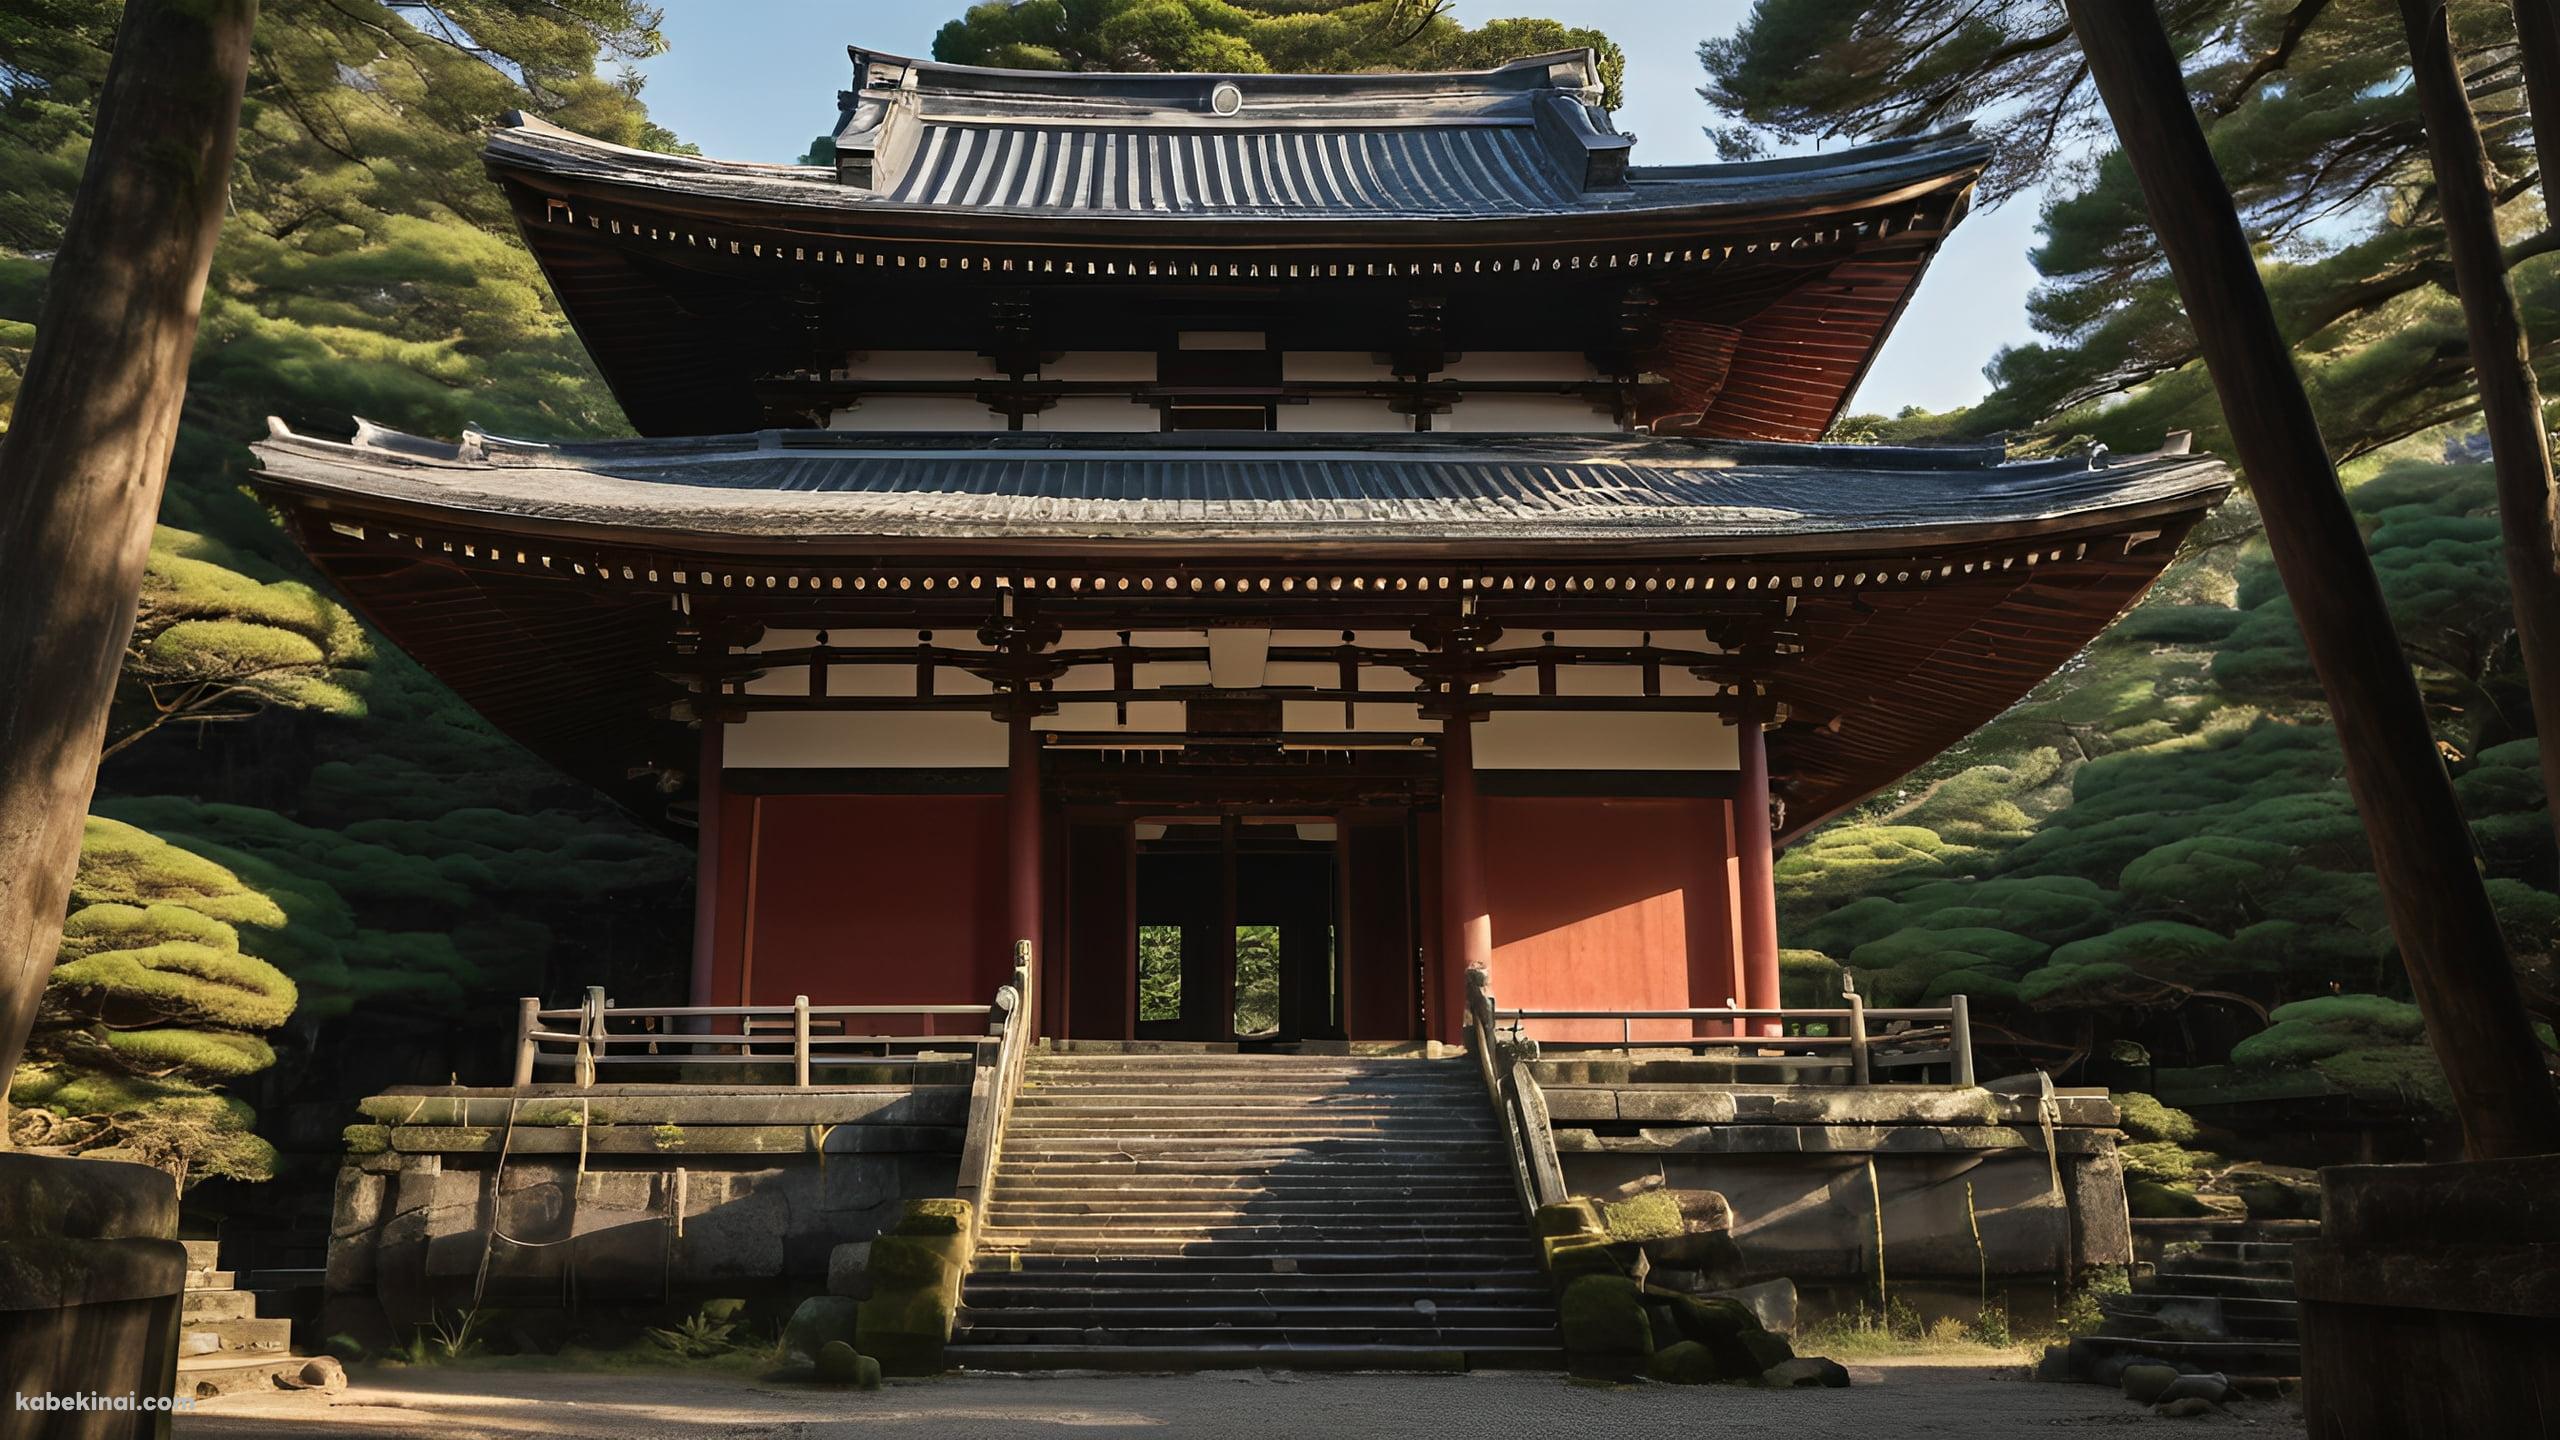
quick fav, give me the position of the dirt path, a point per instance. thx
(1906, 1402)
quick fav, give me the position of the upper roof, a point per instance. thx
(1525, 139)
(1428, 490)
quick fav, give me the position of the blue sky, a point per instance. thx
(756, 79)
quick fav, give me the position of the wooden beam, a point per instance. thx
(2422, 850)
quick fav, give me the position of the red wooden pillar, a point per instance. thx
(1023, 913)
(706, 860)
(1466, 922)
(1757, 870)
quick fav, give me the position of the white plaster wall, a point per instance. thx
(1343, 415)
(917, 412)
(1520, 365)
(1094, 414)
(1334, 365)
(897, 740)
(917, 365)
(1138, 366)
(1525, 414)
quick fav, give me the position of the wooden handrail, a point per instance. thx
(994, 1083)
(1518, 1104)
(788, 1038)
(1949, 1027)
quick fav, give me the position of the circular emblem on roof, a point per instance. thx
(1226, 99)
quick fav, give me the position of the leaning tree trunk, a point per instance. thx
(82, 465)
(2422, 851)
(2538, 44)
(2510, 398)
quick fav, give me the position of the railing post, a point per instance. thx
(1627, 1032)
(528, 1020)
(800, 1040)
(1858, 1069)
(590, 1035)
(1960, 1022)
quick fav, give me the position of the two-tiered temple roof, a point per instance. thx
(1757, 293)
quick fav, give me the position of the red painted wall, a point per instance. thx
(863, 900)
(1609, 905)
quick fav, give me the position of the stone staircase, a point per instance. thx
(1200, 1211)
(223, 1343)
(2222, 1305)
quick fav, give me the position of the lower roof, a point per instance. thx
(1234, 494)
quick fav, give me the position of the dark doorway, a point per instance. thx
(1237, 934)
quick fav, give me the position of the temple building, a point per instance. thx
(1107, 506)
(1273, 543)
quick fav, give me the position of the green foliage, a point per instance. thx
(151, 1005)
(1253, 37)
(296, 825)
(2145, 1118)
(2311, 120)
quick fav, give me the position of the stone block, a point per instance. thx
(1807, 1372)
(741, 1238)
(820, 1321)
(1681, 1104)
(849, 1270)
(1771, 1302)
(1603, 1322)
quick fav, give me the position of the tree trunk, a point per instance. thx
(82, 466)
(2422, 851)
(2501, 361)
(2538, 41)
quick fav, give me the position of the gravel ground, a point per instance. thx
(1904, 1401)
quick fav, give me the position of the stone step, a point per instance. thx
(1175, 1122)
(1323, 1261)
(225, 1373)
(217, 1305)
(1345, 1210)
(203, 1254)
(1179, 1311)
(1279, 1237)
(1216, 1143)
(1211, 1334)
(210, 1279)
(2228, 1357)
(2238, 1287)
(1143, 1289)
(2225, 1267)
(1173, 1359)
(2244, 1251)
(2200, 1317)
(1176, 1185)
(208, 1336)
(1472, 1162)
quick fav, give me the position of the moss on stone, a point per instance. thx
(1569, 1217)
(840, 1362)
(667, 1137)
(905, 1330)
(1653, 1215)
(1570, 1257)
(368, 1139)
(1603, 1318)
(935, 1217)
(918, 1261)
(1684, 1363)
(2151, 1200)
(556, 1115)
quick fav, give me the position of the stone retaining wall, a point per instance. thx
(1972, 1198)
(620, 1195)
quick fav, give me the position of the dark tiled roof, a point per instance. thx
(1522, 140)
(1314, 489)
